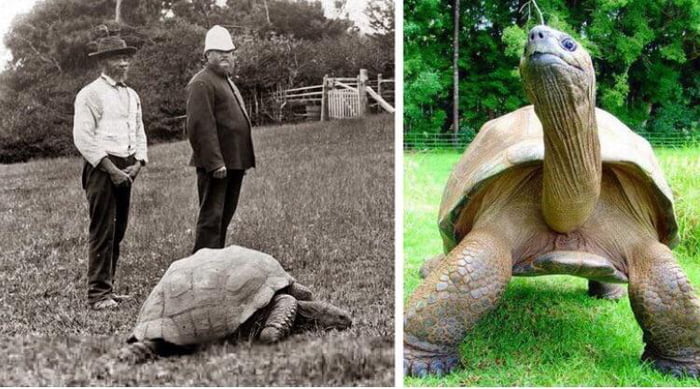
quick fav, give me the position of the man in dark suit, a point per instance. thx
(218, 127)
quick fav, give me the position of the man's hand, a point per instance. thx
(133, 170)
(220, 172)
(120, 178)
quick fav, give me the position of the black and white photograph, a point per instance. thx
(197, 192)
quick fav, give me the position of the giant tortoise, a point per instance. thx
(557, 187)
(212, 294)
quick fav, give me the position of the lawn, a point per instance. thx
(321, 201)
(546, 331)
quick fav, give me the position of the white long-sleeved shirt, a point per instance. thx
(107, 120)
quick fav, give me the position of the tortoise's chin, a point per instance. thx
(544, 59)
(548, 60)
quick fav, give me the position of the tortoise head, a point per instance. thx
(324, 314)
(557, 71)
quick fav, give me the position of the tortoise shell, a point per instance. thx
(208, 295)
(516, 139)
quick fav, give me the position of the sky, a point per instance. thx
(9, 8)
(354, 9)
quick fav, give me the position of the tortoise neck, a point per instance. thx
(572, 161)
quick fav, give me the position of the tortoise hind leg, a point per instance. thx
(462, 289)
(605, 290)
(280, 319)
(667, 309)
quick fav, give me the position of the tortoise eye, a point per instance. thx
(568, 44)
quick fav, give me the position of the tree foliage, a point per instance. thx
(646, 54)
(50, 44)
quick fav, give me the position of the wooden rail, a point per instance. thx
(339, 97)
(380, 100)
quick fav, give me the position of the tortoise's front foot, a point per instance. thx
(677, 368)
(419, 363)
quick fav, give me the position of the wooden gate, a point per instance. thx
(343, 103)
(337, 97)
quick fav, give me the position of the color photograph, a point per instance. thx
(554, 139)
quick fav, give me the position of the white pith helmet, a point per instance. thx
(218, 38)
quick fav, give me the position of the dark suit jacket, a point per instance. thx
(217, 124)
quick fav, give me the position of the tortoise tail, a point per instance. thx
(279, 321)
(137, 352)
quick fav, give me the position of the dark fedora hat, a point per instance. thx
(111, 45)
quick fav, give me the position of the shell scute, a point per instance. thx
(209, 294)
(179, 283)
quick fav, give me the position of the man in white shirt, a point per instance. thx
(108, 132)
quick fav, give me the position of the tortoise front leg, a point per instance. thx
(280, 319)
(430, 264)
(455, 295)
(667, 309)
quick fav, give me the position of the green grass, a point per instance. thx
(546, 331)
(320, 201)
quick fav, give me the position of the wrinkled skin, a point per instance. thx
(570, 214)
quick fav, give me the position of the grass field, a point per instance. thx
(321, 201)
(546, 331)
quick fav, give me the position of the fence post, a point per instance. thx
(324, 99)
(379, 84)
(362, 93)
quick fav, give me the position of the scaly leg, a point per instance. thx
(456, 294)
(430, 264)
(667, 309)
(280, 319)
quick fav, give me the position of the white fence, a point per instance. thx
(342, 104)
(339, 97)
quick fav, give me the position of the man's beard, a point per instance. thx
(222, 70)
(117, 75)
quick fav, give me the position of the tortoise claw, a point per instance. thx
(676, 368)
(420, 363)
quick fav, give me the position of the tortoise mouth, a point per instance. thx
(540, 59)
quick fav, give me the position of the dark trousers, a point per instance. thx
(109, 214)
(218, 199)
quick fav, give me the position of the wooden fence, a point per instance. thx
(444, 141)
(339, 97)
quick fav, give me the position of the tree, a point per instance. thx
(646, 55)
(455, 70)
(50, 46)
(381, 17)
(426, 65)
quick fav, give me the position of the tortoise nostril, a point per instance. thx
(540, 35)
(532, 36)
